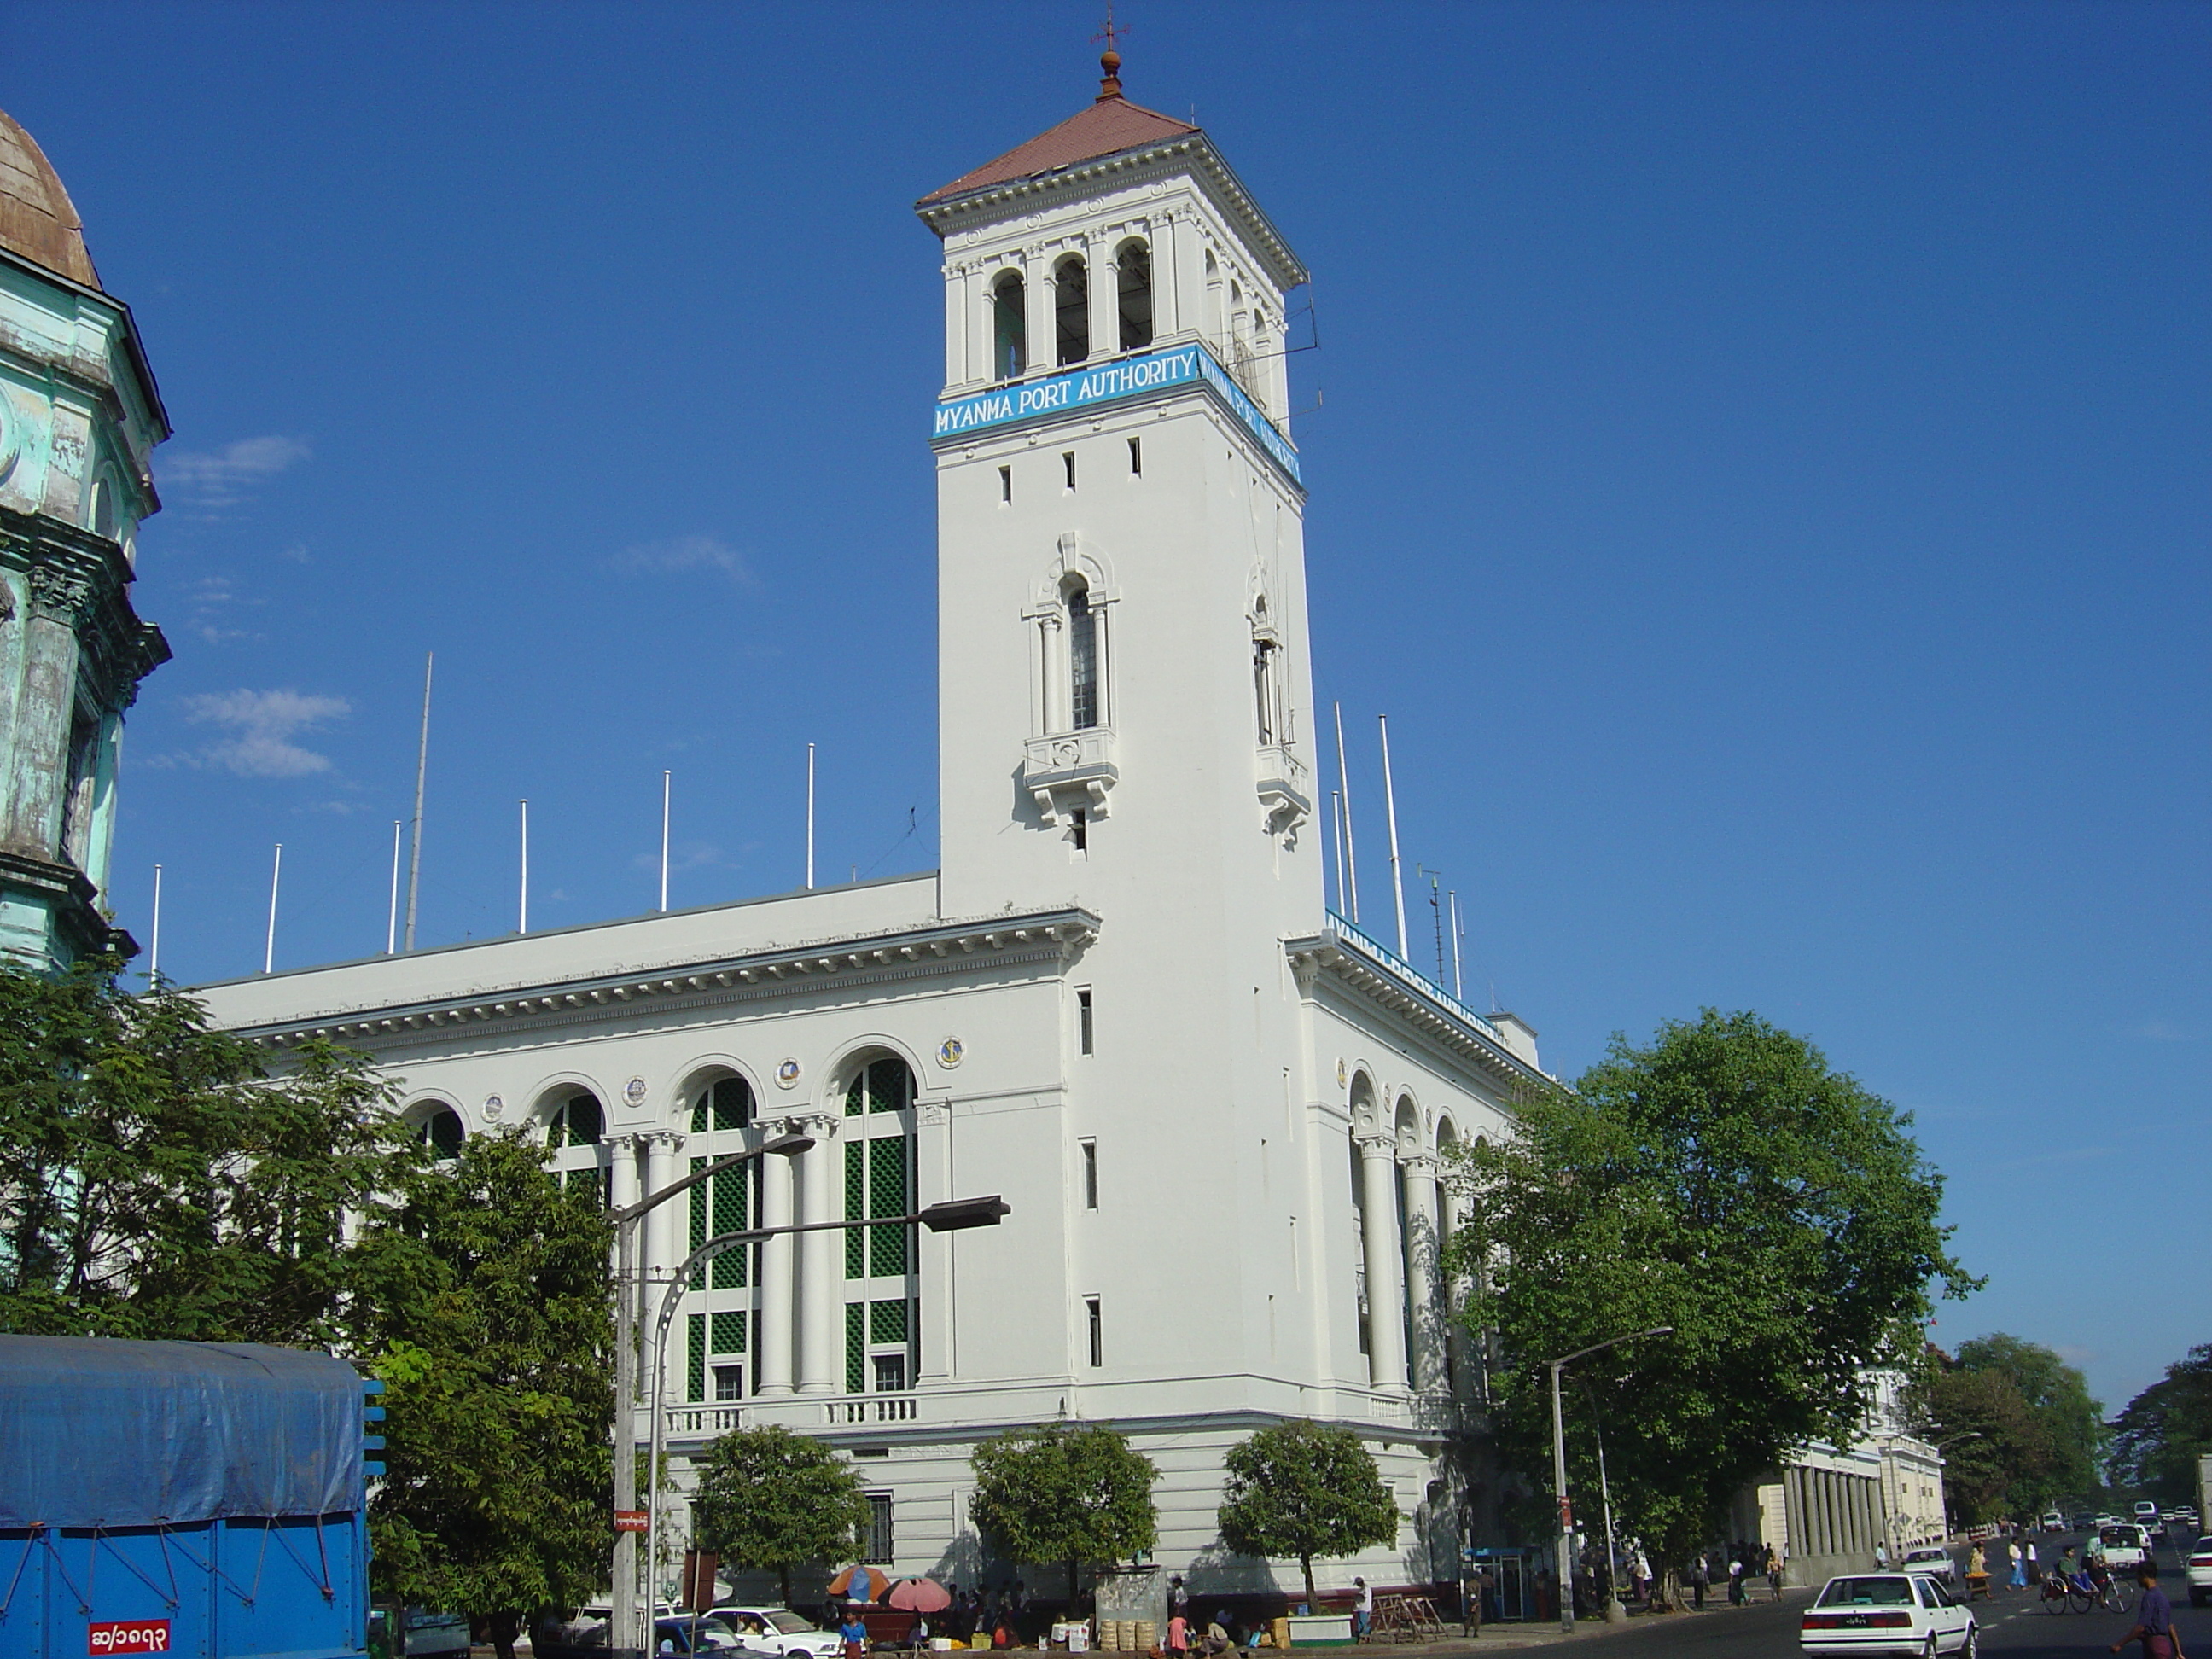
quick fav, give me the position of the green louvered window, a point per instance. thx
(695, 1357)
(856, 1347)
(729, 1331)
(726, 1105)
(887, 1195)
(856, 1202)
(887, 1320)
(698, 1233)
(731, 1207)
(885, 1086)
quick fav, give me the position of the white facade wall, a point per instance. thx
(1244, 1044)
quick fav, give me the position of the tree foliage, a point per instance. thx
(157, 1183)
(1726, 1181)
(770, 1499)
(1302, 1489)
(488, 1320)
(1999, 1458)
(1065, 1493)
(2161, 1433)
(2071, 1424)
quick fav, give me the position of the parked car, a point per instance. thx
(1934, 1559)
(2126, 1546)
(779, 1629)
(1908, 1614)
(2200, 1573)
(2053, 1521)
(423, 1634)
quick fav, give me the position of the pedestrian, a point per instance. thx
(2154, 1625)
(855, 1635)
(1178, 1636)
(2034, 1573)
(1880, 1556)
(1363, 1610)
(1774, 1572)
(2019, 1579)
(1735, 1580)
(1701, 1574)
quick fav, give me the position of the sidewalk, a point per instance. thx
(1495, 1638)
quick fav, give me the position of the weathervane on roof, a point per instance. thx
(1110, 83)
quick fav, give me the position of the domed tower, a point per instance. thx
(79, 418)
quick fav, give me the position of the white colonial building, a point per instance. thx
(1216, 1109)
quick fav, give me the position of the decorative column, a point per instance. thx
(819, 1280)
(1043, 345)
(775, 1282)
(1451, 1213)
(662, 1253)
(1105, 301)
(1378, 1190)
(1421, 1267)
(45, 702)
(622, 1151)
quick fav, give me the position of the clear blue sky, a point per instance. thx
(1762, 475)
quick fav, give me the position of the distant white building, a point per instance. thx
(1215, 1107)
(1828, 1506)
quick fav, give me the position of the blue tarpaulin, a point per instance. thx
(102, 1433)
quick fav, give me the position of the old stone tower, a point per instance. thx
(79, 418)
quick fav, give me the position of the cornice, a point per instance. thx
(1375, 982)
(1043, 937)
(1284, 266)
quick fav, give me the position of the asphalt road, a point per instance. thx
(2013, 1625)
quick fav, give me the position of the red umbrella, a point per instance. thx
(860, 1584)
(921, 1595)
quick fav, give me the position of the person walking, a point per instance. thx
(854, 1634)
(1774, 1572)
(2154, 1625)
(2019, 1579)
(1701, 1574)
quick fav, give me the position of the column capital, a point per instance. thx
(1423, 1164)
(822, 1125)
(659, 1139)
(1376, 1143)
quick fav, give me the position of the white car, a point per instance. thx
(779, 1629)
(1934, 1559)
(2124, 1547)
(1905, 1614)
(2200, 1573)
(2053, 1521)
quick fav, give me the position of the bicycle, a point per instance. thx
(2116, 1594)
(2063, 1595)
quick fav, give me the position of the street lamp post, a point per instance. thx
(1565, 1566)
(622, 1627)
(953, 1215)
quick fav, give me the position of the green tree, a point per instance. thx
(156, 1181)
(770, 1499)
(1999, 1459)
(1064, 1492)
(1726, 1181)
(1300, 1490)
(2162, 1432)
(488, 1319)
(2058, 1394)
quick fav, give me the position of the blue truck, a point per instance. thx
(196, 1498)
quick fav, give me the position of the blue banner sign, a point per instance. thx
(1081, 388)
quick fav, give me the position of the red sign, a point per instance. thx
(629, 1520)
(128, 1636)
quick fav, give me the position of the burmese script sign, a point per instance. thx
(1127, 377)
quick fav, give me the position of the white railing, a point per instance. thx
(1354, 935)
(882, 1409)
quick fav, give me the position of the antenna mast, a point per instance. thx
(1351, 845)
(422, 766)
(1390, 807)
(269, 949)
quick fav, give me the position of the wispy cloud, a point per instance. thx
(683, 554)
(2160, 1030)
(262, 725)
(211, 598)
(223, 478)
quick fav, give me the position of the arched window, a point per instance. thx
(1212, 300)
(1082, 658)
(105, 516)
(727, 1104)
(1134, 284)
(1071, 310)
(880, 1308)
(1010, 327)
(442, 1132)
(576, 1122)
(1263, 689)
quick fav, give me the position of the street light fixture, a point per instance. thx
(953, 1215)
(622, 1626)
(1565, 1568)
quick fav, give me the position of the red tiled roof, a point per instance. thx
(1107, 128)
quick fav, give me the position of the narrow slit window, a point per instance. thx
(1136, 457)
(1067, 461)
(1097, 1332)
(1083, 1025)
(1089, 1174)
(1079, 830)
(1006, 485)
